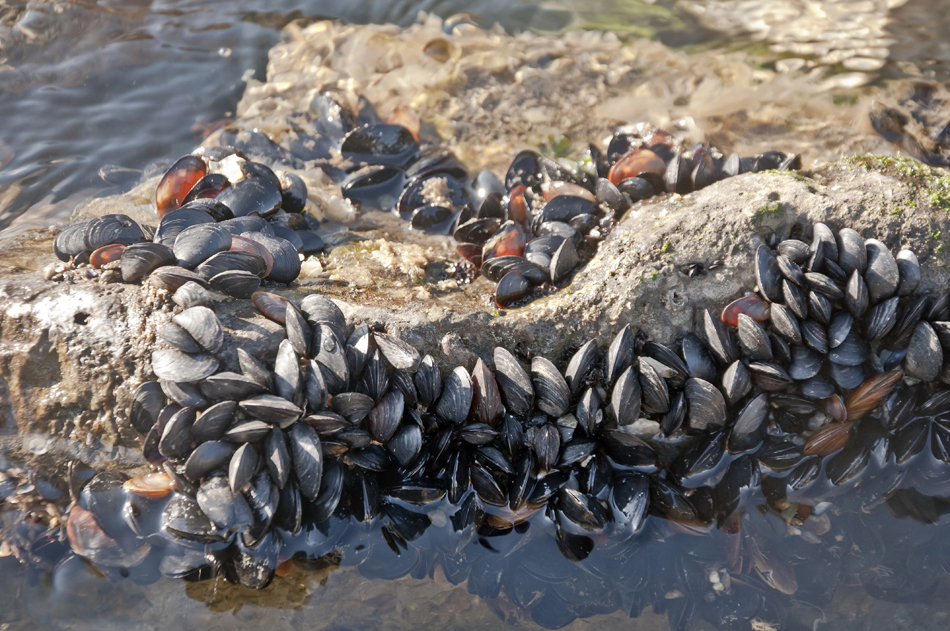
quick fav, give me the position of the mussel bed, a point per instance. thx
(768, 445)
(745, 467)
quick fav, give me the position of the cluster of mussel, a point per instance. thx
(225, 221)
(747, 469)
(548, 215)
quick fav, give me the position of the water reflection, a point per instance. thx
(345, 575)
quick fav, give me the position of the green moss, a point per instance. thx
(654, 275)
(631, 16)
(667, 246)
(928, 182)
(896, 165)
(938, 195)
(768, 212)
(845, 99)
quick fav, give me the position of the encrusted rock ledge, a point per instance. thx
(72, 353)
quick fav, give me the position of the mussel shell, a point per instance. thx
(236, 283)
(456, 399)
(191, 294)
(786, 324)
(707, 407)
(147, 403)
(207, 457)
(384, 418)
(232, 260)
(271, 409)
(908, 271)
(564, 260)
(553, 393)
(203, 326)
(226, 510)
(924, 355)
(486, 397)
(697, 358)
(516, 388)
(580, 366)
(399, 354)
(252, 195)
(109, 229)
(174, 365)
(753, 340)
(229, 386)
(428, 381)
(184, 519)
(625, 398)
(496, 268)
(141, 259)
(767, 274)
(881, 319)
(286, 260)
(882, 275)
(197, 243)
(171, 278)
(387, 145)
(177, 437)
(214, 421)
(852, 255)
(176, 221)
(353, 406)
(69, 242)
